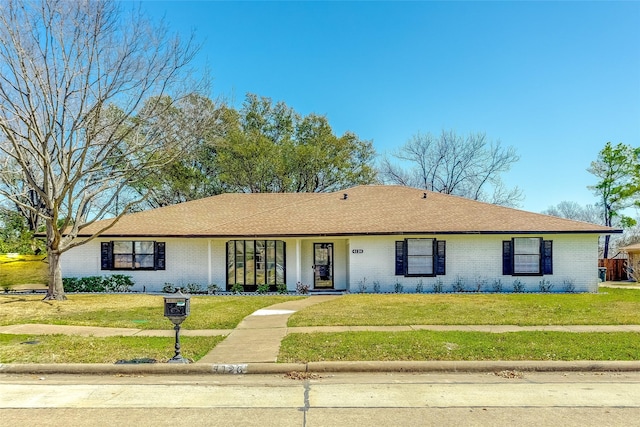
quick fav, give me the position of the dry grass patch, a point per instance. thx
(74, 349)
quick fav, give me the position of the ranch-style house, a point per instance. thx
(379, 237)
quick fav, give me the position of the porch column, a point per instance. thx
(298, 260)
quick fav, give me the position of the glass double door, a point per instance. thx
(323, 265)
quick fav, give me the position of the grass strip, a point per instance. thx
(430, 345)
(131, 310)
(75, 349)
(609, 307)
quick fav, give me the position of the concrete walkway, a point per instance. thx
(257, 338)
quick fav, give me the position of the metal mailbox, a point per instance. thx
(177, 305)
(177, 308)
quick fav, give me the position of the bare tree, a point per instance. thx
(575, 211)
(452, 164)
(74, 76)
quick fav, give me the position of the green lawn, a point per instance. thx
(130, 310)
(611, 306)
(430, 345)
(22, 269)
(74, 349)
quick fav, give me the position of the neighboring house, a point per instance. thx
(386, 238)
(633, 261)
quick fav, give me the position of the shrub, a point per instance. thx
(168, 288)
(118, 283)
(263, 289)
(419, 287)
(213, 288)
(281, 288)
(398, 287)
(438, 287)
(518, 286)
(70, 284)
(569, 286)
(545, 286)
(362, 285)
(237, 288)
(376, 286)
(497, 286)
(193, 288)
(458, 285)
(301, 288)
(480, 283)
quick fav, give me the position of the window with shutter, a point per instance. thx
(132, 255)
(527, 256)
(420, 257)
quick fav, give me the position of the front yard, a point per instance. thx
(609, 307)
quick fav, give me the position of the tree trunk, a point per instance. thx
(605, 255)
(56, 289)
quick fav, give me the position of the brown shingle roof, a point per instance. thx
(368, 209)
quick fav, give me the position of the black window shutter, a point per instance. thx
(547, 257)
(106, 255)
(160, 263)
(441, 248)
(400, 258)
(507, 258)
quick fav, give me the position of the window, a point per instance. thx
(132, 255)
(527, 256)
(256, 262)
(420, 257)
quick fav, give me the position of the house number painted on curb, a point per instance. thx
(230, 369)
(357, 251)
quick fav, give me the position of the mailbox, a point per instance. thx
(177, 305)
(176, 308)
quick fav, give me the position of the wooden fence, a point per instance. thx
(615, 268)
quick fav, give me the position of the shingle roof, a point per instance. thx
(367, 209)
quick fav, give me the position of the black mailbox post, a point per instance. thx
(176, 308)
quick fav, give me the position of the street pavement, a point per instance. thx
(503, 398)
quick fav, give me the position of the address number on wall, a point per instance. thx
(357, 251)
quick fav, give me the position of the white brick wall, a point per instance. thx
(469, 257)
(473, 259)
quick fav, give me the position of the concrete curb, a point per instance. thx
(319, 367)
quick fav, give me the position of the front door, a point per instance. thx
(323, 265)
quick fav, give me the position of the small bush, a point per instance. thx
(301, 288)
(569, 286)
(213, 288)
(398, 287)
(168, 288)
(263, 289)
(458, 285)
(362, 285)
(438, 287)
(237, 288)
(518, 286)
(376, 286)
(118, 283)
(496, 286)
(193, 288)
(545, 286)
(281, 288)
(480, 283)
(419, 287)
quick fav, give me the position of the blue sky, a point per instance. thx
(556, 80)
